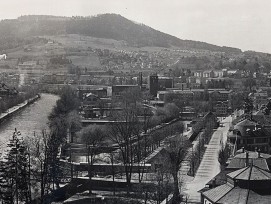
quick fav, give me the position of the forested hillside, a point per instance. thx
(111, 26)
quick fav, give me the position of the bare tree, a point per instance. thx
(38, 147)
(124, 132)
(176, 148)
(93, 137)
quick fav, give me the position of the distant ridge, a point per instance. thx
(110, 26)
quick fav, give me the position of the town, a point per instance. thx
(85, 119)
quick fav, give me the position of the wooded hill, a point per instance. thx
(110, 26)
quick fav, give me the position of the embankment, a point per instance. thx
(11, 111)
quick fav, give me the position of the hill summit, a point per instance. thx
(110, 26)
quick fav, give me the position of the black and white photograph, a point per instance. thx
(135, 102)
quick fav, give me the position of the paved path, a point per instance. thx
(209, 166)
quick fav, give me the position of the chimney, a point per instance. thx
(243, 150)
(213, 183)
(247, 161)
(259, 154)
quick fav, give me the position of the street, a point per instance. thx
(209, 166)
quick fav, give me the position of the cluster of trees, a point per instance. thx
(223, 155)
(15, 184)
(10, 101)
(248, 105)
(45, 148)
(135, 140)
(38, 157)
(109, 26)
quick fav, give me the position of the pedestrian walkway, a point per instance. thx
(209, 166)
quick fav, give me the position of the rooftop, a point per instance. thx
(250, 173)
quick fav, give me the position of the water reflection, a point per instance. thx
(33, 118)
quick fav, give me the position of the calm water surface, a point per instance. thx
(33, 118)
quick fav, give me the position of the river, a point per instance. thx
(33, 118)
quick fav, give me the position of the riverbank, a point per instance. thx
(11, 111)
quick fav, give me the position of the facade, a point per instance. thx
(118, 90)
(153, 85)
(221, 108)
(165, 83)
(158, 83)
(197, 94)
(251, 136)
(99, 91)
(260, 98)
(219, 95)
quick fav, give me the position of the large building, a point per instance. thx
(158, 83)
(153, 85)
(118, 90)
(250, 135)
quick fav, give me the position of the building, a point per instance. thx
(197, 124)
(188, 113)
(181, 94)
(197, 94)
(165, 83)
(221, 108)
(153, 85)
(259, 98)
(100, 91)
(118, 90)
(158, 83)
(251, 136)
(250, 184)
(54, 78)
(219, 95)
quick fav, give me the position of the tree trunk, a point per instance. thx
(176, 194)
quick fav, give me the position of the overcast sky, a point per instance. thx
(245, 24)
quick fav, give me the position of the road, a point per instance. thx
(209, 166)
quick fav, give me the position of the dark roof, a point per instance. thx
(260, 132)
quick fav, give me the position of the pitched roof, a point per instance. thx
(256, 198)
(235, 196)
(238, 163)
(250, 173)
(245, 122)
(217, 193)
